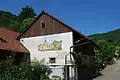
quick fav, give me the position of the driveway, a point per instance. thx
(111, 72)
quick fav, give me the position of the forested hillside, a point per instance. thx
(112, 36)
(17, 22)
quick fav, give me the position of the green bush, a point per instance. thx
(24, 71)
(105, 54)
(56, 77)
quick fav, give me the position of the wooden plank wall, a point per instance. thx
(52, 26)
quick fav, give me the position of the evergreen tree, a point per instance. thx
(26, 12)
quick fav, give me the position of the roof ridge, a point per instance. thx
(44, 12)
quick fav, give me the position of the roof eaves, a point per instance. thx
(14, 51)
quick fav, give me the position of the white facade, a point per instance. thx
(49, 46)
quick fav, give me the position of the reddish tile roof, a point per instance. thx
(8, 34)
(8, 41)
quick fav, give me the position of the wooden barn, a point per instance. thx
(50, 39)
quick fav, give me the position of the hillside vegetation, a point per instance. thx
(112, 36)
(17, 22)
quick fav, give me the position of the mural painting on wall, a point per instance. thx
(48, 45)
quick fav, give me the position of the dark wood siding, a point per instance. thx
(52, 26)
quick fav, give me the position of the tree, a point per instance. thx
(15, 26)
(26, 12)
(17, 23)
(106, 52)
(9, 21)
(7, 18)
(25, 23)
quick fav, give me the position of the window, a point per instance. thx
(52, 60)
(43, 25)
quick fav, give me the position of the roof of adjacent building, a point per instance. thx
(8, 41)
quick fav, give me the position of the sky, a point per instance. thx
(86, 16)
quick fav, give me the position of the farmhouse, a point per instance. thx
(50, 39)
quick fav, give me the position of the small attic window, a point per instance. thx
(52, 60)
(43, 25)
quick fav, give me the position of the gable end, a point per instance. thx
(52, 26)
